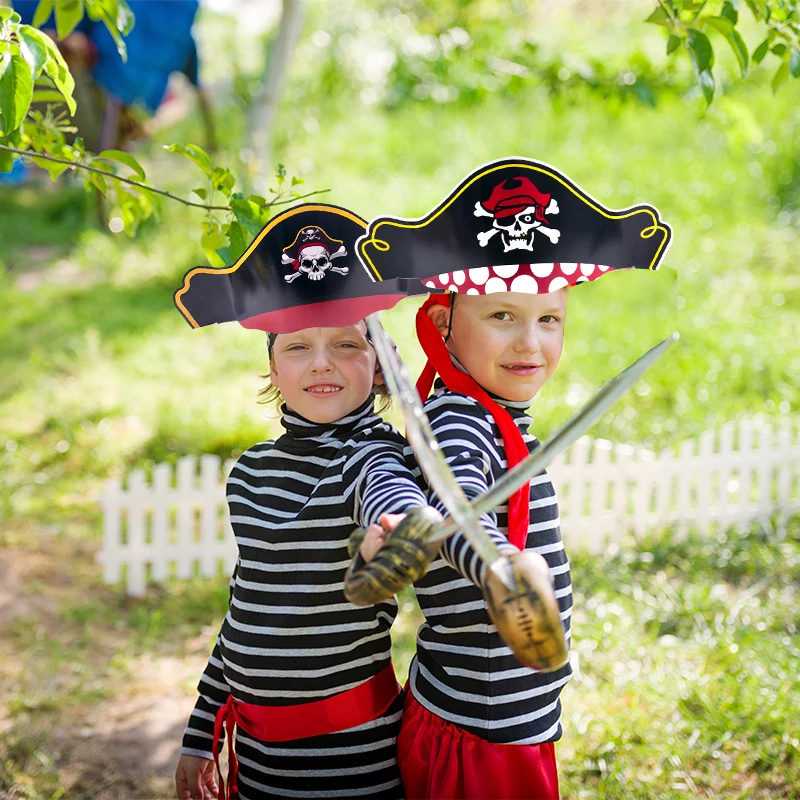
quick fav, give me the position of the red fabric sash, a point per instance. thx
(356, 706)
(457, 381)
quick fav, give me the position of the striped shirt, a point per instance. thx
(463, 672)
(289, 636)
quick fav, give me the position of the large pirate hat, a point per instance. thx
(299, 272)
(514, 225)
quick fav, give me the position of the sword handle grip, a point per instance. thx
(403, 559)
(527, 617)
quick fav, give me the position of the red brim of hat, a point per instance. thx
(525, 278)
(330, 314)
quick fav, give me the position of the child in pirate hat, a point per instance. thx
(301, 680)
(476, 723)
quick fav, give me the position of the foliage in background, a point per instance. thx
(400, 51)
(689, 23)
(33, 71)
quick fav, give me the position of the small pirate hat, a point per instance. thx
(514, 225)
(299, 272)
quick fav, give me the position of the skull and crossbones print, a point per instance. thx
(518, 209)
(314, 258)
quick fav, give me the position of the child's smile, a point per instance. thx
(508, 341)
(324, 374)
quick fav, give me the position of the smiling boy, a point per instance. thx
(469, 697)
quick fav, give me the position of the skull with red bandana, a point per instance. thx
(518, 210)
(311, 254)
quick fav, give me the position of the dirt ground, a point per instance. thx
(87, 722)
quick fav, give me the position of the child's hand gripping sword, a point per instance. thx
(518, 588)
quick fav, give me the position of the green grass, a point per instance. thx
(685, 654)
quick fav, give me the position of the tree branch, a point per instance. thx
(113, 175)
(80, 165)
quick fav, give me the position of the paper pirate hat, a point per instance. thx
(301, 271)
(514, 225)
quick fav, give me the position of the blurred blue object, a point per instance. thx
(18, 175)
(160, 43)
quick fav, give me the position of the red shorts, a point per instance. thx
(440, 761)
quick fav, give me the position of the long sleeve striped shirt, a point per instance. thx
(463, 672)
(290, 636)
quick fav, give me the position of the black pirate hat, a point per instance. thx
(514, 225)
(300, 272)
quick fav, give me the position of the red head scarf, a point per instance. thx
(457, 381)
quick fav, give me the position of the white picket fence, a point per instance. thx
(740, 474)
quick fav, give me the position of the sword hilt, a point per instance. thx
(404, 558)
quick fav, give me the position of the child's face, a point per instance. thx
(324, 373)
(509, 342)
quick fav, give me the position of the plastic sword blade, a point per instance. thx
(429, 456)
(566, 435)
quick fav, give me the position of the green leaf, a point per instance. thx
(42, 13)
(193, 153)
(125, 18)
(659, 17)
(794, 64)
(52, 167)
(734, 39)
(250, 216)
(68, 14)
(222, 180)
(117, 22)
(761, 51)
(57, 69)
(16, 90)
(706, 81)
(6, 161)
(781, 76)
(98, 181)
(201, 193)
(729, 12)
(32, 48)
(296, 181)
(124, 158)
(701, 50)
(5, 13)
(238, 240)
(779, 49)
(673, 43)
(47, 96)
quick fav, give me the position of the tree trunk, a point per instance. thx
(265, 107)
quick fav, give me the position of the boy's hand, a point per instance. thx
(398, 557)
(527, 618)
(194, 779)
(375, 537)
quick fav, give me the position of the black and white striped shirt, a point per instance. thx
(463, 672)
(290, 637)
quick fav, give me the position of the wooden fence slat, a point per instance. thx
(185, 517)
(138, 500)
(209, 488)
(109, 556)
(784, 468)
(726, 458)
(161, 498)
(705, 469)
(764, 470)
(746, 464)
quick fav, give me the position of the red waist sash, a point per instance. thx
(356, 706)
